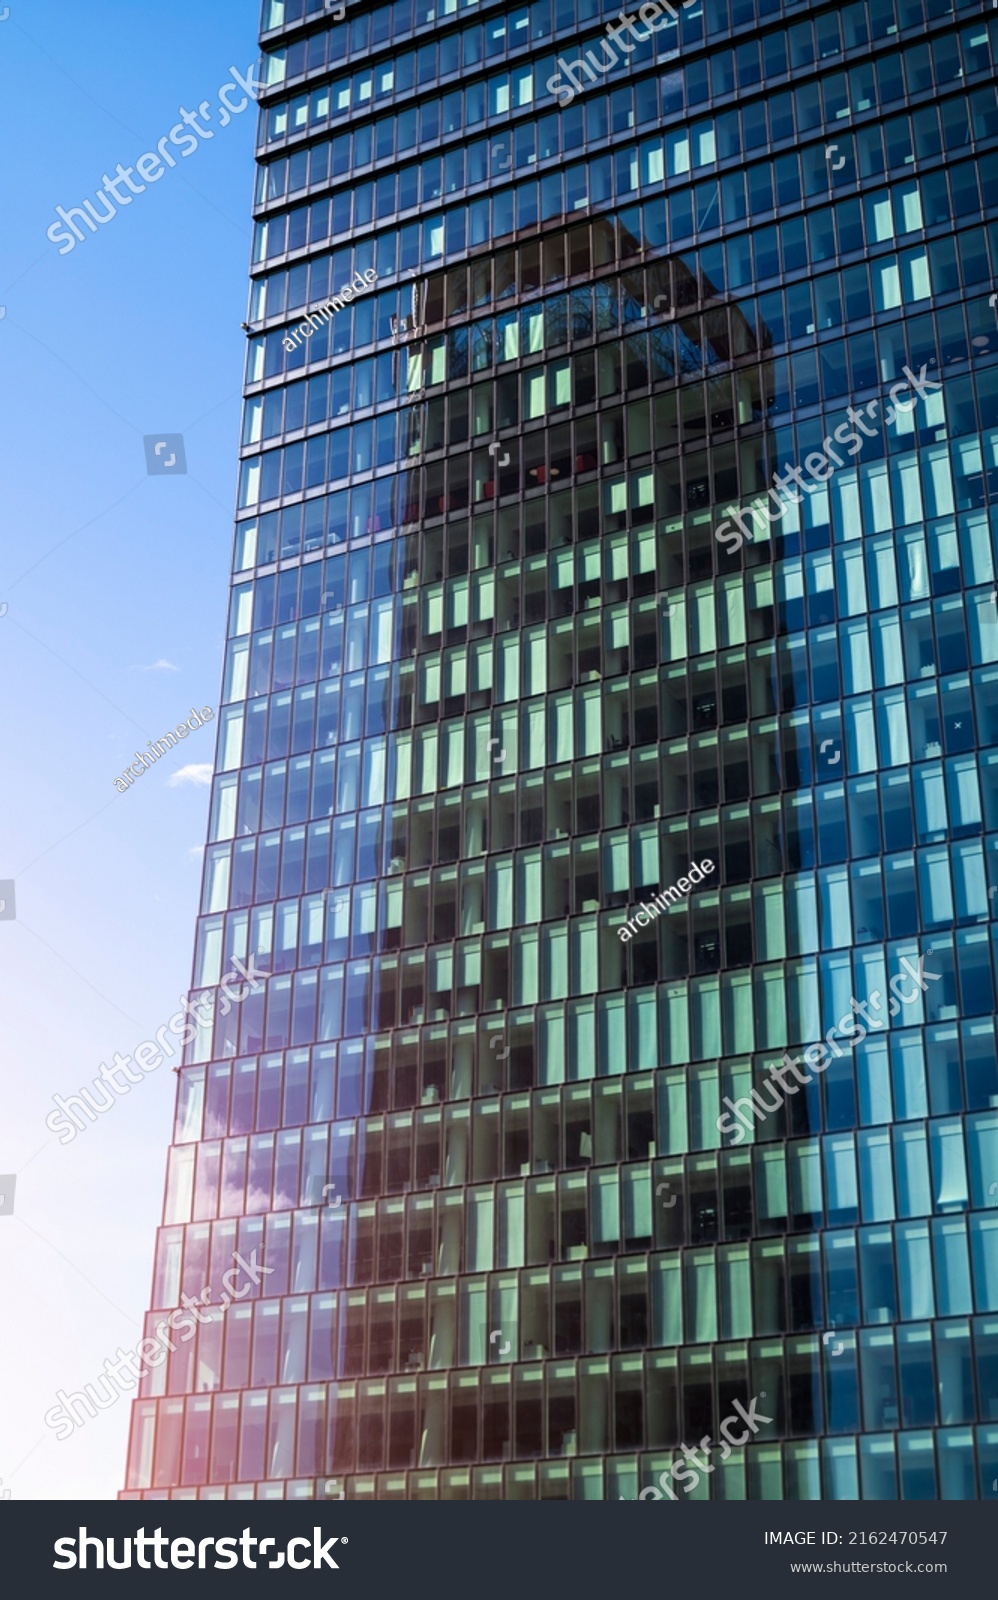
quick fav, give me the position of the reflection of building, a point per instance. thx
(491, 681)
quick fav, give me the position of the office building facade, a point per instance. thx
(619, 459)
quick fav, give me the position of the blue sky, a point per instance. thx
(115, 585)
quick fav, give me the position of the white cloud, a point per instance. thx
(196, 772)
(162, 665)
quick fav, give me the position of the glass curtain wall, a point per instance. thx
(629, 506)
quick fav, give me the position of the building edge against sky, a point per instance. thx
(556, 1176)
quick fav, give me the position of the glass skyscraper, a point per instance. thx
(521, 627)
